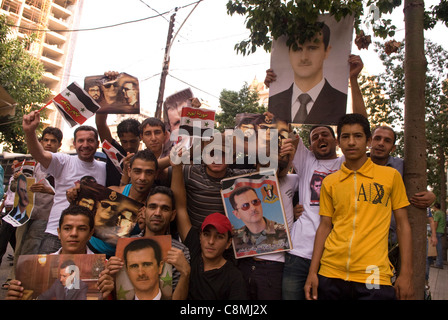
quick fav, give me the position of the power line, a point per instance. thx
(219, 98)
(102, 27)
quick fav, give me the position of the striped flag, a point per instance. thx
(191, 117)
(114, 155)
(75, 104)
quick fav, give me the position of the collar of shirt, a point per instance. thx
(19, 214)
(296, 92)
(366, 170)
(157, 297)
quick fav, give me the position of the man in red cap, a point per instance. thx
(212, 277)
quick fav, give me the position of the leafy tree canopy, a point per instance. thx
(20, 76)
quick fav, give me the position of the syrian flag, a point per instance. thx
(113, 154)
(196, 117)
(254, 180)
(75, 104)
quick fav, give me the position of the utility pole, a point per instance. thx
(166, 64)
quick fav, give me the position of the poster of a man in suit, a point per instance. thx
(23, 202)
(60, 276)
(312, 78)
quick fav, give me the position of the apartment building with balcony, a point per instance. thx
(52, 22)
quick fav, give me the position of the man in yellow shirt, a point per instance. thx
(351, 243)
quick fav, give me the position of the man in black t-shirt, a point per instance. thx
(212, 277)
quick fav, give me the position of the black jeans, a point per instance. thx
(263, 278)
(338, 289)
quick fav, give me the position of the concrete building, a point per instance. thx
(51, 21)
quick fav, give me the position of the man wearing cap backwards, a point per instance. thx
(212, 277)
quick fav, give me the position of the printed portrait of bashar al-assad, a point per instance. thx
(116, 96)
(145, 274)
(115, 214)
(253, 204)
(60, 276)
(312, 78)
(23, 202)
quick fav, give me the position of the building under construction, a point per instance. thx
(51, 21)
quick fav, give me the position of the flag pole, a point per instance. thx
(45, 106)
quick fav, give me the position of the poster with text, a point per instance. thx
(254, 207)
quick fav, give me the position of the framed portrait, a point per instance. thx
(253, 204)
(115, 214)
(146, 250)
(316, 75)
(118, 96)
(23, 202)
(60, 276)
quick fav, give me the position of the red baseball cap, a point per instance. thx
(219, 221)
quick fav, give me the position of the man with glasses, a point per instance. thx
(257, 230)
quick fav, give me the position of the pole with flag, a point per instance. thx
(75, 104)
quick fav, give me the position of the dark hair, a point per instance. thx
(129, 125)
(237, 192)
(164, 190)
(354, 118)
(144, 243)
(152, 122)
(66, 263)
(146, 155)
(320, 126)
(437, 205)
(325, 34)
(385, 128)
(21, 177)
(86, 128)
(77, 210)
(56, 132)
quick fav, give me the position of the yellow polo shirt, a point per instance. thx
(360, 204)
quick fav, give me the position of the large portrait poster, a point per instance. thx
(23, 202)
(129, 282)
(253, 204)
(115, 214)
(319, 70)
(172, 108)
(60, 276)
(118, 96)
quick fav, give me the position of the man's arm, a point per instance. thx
(423, 199)
(356, 66)
(101, 126)
(183, 221)
(322, 233)
(30, 123)
(403, 285)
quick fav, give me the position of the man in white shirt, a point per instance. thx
(65, 169)
(75, 227)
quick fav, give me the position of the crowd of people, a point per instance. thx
(344, 213)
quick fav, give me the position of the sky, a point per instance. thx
(202, 55)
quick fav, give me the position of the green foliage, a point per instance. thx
(437, 13)
(233, 103)
(297, 19)
(20, 76)
(384, 95)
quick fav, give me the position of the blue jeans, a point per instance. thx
(295, 273)
(439, 260)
